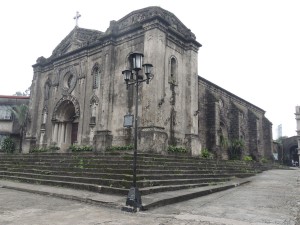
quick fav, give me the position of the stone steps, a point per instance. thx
(122, 164)
(141, 176)
(127, 170)
(122, 172)
(121, 157)
(112, 172)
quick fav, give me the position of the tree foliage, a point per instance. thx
(20, 113)
(25, 93)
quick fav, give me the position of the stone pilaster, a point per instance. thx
(102, 140)
(192, 142)
(153, 139)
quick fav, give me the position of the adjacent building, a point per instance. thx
(9, 126)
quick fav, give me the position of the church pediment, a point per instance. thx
(154, 12)
(76, 39)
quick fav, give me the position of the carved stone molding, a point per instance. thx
(62, 100)
(150, 13)
(83, 68)
(94, 99)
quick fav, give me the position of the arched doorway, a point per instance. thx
(65, 123)
(294, 155)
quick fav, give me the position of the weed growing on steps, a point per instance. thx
(176, 149)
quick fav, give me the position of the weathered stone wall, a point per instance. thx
(224, 118)
(79, 95)
(267, 138)
(63, 85)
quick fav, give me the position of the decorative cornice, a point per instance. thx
(150, 13)
(69, 98)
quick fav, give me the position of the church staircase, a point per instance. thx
(112, 172)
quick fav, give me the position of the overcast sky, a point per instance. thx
(250, 47)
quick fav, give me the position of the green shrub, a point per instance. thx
(38, 150)
(264, 160)
(8, 145)
(176, 149)
(205, 154)
(44, 149)
(120, 148)
(235, 149)
(247, 158)
(83, 148)
(54, 147)
(224, 142)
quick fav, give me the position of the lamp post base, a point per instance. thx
(134, 199)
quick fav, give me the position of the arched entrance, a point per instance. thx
(65, 122)
(294, 155)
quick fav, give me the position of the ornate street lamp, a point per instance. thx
(134, 197)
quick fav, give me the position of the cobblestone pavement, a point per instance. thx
(273, 197)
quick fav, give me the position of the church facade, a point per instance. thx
(78, 94)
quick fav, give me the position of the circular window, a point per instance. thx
(70, 79)
(69, 82)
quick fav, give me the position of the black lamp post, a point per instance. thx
(134, 197)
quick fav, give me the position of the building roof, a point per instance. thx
(14, 97)
(13, 100)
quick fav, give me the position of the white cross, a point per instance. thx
(76, 18)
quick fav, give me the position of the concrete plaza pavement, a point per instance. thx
(272, 197)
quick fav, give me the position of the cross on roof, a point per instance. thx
(77, 18)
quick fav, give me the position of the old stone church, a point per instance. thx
(78, 94)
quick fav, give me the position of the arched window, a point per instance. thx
(173, 71)
(96, 76)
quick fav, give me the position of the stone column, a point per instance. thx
(191, 86)
(42, 138)
(55, 130)
(33, 109)
(68, 132)
(63, 128)
(59, 134)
